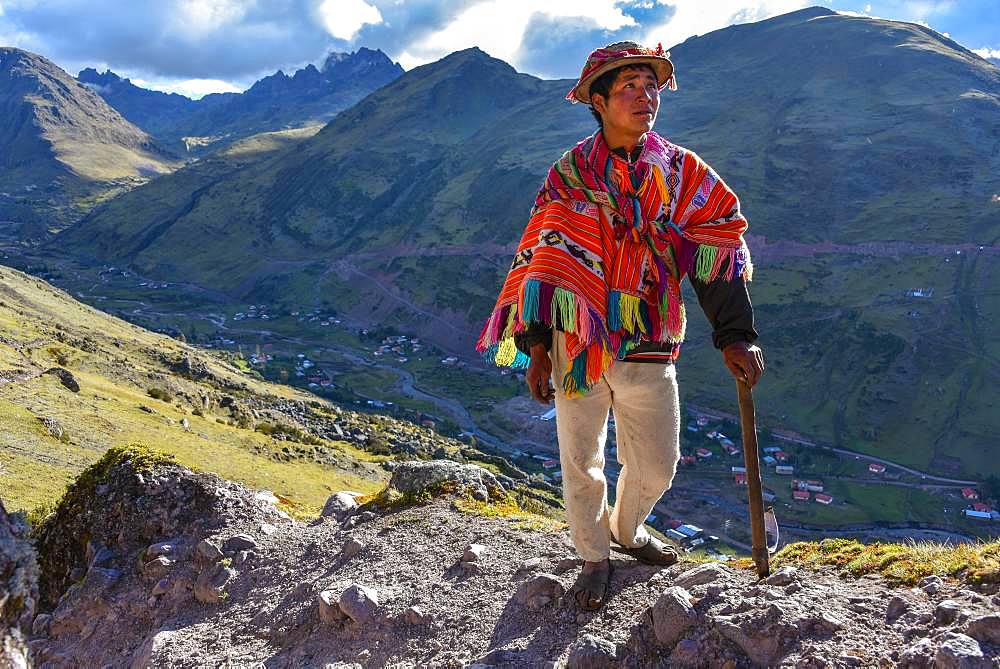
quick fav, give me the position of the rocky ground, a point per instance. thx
(147, 564)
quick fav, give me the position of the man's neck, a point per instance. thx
(624, 141)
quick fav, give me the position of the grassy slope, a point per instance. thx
(115, 364)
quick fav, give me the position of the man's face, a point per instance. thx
(632, 102)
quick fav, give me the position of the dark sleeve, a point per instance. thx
(536, 333)
(727, 306)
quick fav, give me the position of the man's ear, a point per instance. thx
(599, 103)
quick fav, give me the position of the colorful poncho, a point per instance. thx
(601, 256)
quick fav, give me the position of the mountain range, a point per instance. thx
(865, 153)
(309, 96)
(63, 147)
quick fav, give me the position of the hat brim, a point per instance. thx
(663, 68)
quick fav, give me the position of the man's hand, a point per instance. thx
(537, 376)
(745, 361)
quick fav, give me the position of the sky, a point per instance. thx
(195, 47)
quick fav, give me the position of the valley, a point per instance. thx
(360, 363)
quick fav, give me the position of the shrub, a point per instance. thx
(160, 394)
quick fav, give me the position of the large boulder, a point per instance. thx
(18, 590)
(418, 478)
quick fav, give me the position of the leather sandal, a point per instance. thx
(594, 588)
(653, 552)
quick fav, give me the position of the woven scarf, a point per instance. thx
(605, 250)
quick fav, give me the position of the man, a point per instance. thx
(593, 301)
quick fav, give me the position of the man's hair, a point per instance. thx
(602, 85)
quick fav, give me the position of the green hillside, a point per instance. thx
(75, 382)
(865, 152)
(62, 148)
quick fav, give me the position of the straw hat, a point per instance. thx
(619, 54)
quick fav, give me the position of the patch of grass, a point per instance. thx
(390, 499)
(904, 563)
(506, 507)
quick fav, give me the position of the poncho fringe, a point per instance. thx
(600, 262)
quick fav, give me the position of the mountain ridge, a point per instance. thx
(275, 102)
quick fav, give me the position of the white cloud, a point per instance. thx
(200, 17)
(987, 53)
(344, 18)
(695, 17)
(868, 8)
(192, 88)
(497, 27)
(921, 9)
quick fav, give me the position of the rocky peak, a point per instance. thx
(363, 61)
(448, 570)
(90, 75)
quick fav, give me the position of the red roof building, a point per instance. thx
(824, 499)
(970, 493)
(703, 453)
(740, 478)
(979, 506)
(688, 459)
(876, 468)
(801, 495)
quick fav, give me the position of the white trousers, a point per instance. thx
(643, 397)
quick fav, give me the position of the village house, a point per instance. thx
(784, 470)
(981, 515)
(876, 468)
(703, 453)
(823, 498)
(801, 495)
(970, 493)
(811, 486)
(675, 535)
(691, 531)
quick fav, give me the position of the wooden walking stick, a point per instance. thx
(748, 424)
